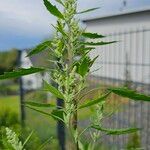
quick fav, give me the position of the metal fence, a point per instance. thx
(126, 62)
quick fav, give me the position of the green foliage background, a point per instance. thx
(8, 60)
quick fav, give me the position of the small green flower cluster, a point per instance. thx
(97, 120)
(70, 10)
(13, 140)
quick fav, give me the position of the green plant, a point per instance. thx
(70, 75)
(8, 118)
(134, 142)
(8, 60)
(13, 142)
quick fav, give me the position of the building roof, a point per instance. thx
(117, 13)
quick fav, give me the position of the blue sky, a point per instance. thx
(24, 23)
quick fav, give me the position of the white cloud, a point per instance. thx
(25, 17)
(27, 21)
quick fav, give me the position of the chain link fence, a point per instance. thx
(126, 63)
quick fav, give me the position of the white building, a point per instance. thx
(132, 51)
(33, 81)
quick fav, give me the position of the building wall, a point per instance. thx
(126, 60)
(33, 81)
(119, 23)
(131, 54)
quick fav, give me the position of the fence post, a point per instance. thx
(61, 127)
(21, 92)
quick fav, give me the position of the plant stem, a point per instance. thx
(75, 122)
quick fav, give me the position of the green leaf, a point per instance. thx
(98, 43)
(60, 29)
(53, 90)
(93, 102)
(53, 9)
(20, 72)
(39, 48)
(43, 145)
(88, 49)
(58, 114)
(92, 35)
(28, 138)
(83, 67)
(115, 131)
(40, 111)
(60, 2)
(130, 94)
(39, 104)
(88, 10)
(94, 59)
(45, 113)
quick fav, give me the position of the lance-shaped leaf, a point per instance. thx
(53, 9)
(98, 43)
(92, 35)
(130, 94)
(60, 29)
(45, 113)
(93, 102)
(35, 104)
(88, 10)
(115, 131)
(83, 67)
(88, 49)
(53, 90)
(20, 72)
(39, 48)
(27, 139)
(93, 60)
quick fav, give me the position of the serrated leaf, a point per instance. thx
(53, 90)
(93, 102)
(20, 72)
(98, 43)
(39, 48)
(130, 94)
(35, 104)
(53, 9)
(115, 131)
(88, 10)
(92, 35)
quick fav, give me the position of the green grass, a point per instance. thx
(10, 102)
(45, 126)
(14, 87)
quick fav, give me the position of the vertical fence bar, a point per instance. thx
(21, 92)
(61, 127)
(148, 106)
(134, 44)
